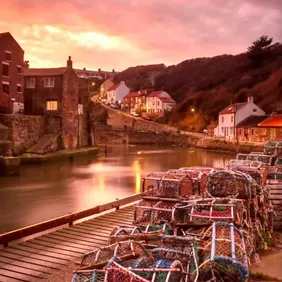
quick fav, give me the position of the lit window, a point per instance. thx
(5, 69)
(49, 82)
(8, 56)
(52, 105)
(6, 87)
(30, 83)
(19, 88)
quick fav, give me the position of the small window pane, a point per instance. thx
(8, 56)
(5, 70)
(6, 88)
(19, 89)
(52, 105)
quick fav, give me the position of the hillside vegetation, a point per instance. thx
(210, 84)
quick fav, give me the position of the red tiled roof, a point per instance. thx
(251, 121)
(136, 93)
(167, 100)
(155, 93)
(114, 87)
(272, 121)
(44, 72)
(232, 108)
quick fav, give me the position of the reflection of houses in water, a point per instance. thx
(220, 162)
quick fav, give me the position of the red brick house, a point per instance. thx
(273, 126)
(136, 101)
(57, 92)
(11, 76)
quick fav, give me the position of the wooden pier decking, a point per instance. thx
(38, 258)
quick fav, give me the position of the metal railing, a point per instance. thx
(69, 219)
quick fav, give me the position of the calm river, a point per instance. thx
(54, 189)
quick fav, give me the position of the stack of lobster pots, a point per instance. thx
(191, 224)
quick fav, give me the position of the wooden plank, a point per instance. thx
(21, 277)
(38, 256)
(22, 270)
(276, 197)
(93, 228)
(31, 261)
(89, 236)
(43, 269)
(112, 219)
(46, 251)
(97, 239)
(10, 279)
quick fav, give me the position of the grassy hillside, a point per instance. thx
(210, 84)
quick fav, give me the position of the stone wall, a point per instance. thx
(25, 131)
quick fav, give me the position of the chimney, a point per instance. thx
(69, 63)
(26, 64)
(139, 91)
(250, 99)
(122, 82)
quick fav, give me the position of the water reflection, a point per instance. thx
(50, 190)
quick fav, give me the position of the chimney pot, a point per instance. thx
(250, 99)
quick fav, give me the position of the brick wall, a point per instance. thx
(70, 110)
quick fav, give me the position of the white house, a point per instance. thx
(116, 93)
(229, 117)
(159, 101)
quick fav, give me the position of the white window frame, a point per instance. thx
(49, 82)
(30, 83)
(19, 66)
(8, 52)
(53, 105)
(19, 85)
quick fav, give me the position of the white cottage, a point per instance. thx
(116, 93)
(229, 117)
(159, 101)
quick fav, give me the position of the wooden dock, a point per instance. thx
(39, 257)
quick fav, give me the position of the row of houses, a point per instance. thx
(145, 100)
(36, 91)
(248, 122)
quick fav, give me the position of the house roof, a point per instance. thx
(272, 121)
(155, 93)
(44, 72)
(3, 34)
(167, 100)
(114, 87)
(139, 93)
(252, 121)
(233, 108)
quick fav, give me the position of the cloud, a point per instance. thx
(117, 34)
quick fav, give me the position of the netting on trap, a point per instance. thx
(175, 185)
(205, 169)
(145, 271)
(231, 184)
(208, 210)
(199, 179)
(225, 251)
(148, 233)
(151, 183)
(89, 276)
(123, 250)
(152, 212)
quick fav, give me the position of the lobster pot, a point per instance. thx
(176, 185)
(162, 212)
(150, 233)
(151, 183)
(208, 210)
(143, 211)
(205, 169)
(123, 250)
(199, 179)
(231, 184)
(146, 271)
(179, 243)
(89, 276)
(226, 252)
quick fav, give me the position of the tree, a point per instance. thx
(259, 50)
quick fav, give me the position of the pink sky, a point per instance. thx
(118, 34)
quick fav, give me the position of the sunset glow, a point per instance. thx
(118, 34)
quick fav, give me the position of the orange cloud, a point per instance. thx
(117, 34)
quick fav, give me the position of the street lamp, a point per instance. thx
(192, 110)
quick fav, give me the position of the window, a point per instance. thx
(222, 129)
(52, 105)
(255, 110)
(8, 56)
(222, 119)
(19, 88)
(231, 130)
(240, 132)
(252, 132)
(30, 83)
(19, 69)
(6, 87)
(5, 69)
(49, 82)
(232, 119)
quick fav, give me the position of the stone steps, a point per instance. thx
(46, 144)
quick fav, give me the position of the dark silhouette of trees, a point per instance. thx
(260, 50)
